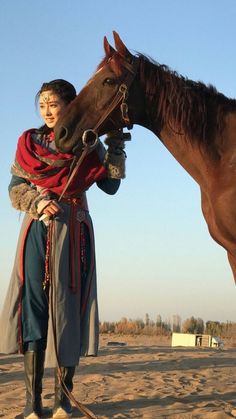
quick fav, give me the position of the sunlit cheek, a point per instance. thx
(99, 102)
(103, 98)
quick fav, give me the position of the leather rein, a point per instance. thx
(90, 141)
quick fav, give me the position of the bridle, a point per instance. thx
(90, 136)
(121, 97)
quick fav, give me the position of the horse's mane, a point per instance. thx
(187, 106)
(191, 106)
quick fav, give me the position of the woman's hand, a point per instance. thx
(47, 209)
(52, 208)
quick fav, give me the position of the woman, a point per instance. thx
(51, 304)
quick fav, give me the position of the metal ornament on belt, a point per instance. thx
(80, 216)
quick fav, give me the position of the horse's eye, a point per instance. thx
(109, 81)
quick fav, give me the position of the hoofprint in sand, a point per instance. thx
(144, 379)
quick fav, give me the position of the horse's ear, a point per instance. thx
(109, 50)
(121, 48)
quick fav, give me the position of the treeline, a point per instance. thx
(147, 326)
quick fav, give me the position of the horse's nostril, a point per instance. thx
(63, 132)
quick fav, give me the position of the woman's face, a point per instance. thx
(50, 107)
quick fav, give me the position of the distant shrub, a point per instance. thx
(164, 328)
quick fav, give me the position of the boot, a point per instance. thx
(34, 368)
(62, 407)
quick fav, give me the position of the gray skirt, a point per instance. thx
(67, 309)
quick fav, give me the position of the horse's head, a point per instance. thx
(110, 100)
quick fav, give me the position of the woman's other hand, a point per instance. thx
(52, 208)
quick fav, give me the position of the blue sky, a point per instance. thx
(154, 253)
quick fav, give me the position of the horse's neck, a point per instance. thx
(189, 156)
(201, 162)
(196, 162)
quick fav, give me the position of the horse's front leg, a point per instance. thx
(220, 215)
(232, 262)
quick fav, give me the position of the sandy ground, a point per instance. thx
(144, 379)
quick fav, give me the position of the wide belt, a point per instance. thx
(80, 201)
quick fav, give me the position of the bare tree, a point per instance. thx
(193, 325)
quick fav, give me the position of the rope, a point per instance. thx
(121, 96)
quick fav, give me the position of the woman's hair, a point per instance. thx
(60, 87)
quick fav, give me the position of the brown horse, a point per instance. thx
(196, 123)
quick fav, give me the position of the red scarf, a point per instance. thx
(38, 164)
